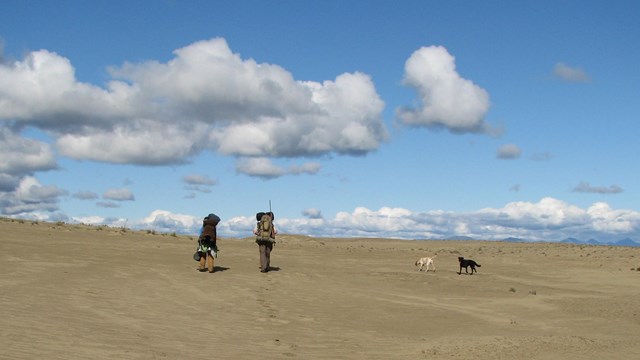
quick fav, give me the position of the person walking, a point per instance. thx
(265, 232)
(207, 243)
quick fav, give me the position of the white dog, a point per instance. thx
(426, 262)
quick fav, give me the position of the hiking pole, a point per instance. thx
(272, 217)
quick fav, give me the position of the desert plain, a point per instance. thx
(90, 292)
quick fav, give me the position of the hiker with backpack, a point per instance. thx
(207, 243)
(265, 233)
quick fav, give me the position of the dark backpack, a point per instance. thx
(215, 219)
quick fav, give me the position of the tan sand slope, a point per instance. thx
(80, 292)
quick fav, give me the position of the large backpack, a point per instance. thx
(213, 218)
(265, 227)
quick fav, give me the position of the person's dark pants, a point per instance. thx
(265, 248)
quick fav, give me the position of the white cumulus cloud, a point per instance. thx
(447, 100)
(261, 167)
(166, 221)
(606, 219)
(205, 97)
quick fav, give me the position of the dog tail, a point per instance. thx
(478, 265)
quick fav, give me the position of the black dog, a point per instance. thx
(464, 263)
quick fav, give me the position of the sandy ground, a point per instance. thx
(80, 292)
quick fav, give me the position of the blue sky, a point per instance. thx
(406, 119)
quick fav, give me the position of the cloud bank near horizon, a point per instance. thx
(547, 220)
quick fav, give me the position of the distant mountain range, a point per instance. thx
(570, 240)
(623, 242)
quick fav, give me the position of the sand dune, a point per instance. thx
(81, 292)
